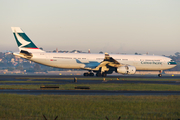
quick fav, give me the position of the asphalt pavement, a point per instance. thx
(57, 79)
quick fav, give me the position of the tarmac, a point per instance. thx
(69, 79)
(88, 92)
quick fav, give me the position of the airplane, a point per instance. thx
(101, 64)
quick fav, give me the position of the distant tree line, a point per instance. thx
(6, 62)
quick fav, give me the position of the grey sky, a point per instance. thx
(114, 26)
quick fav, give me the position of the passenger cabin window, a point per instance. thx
(99, 58)
(152, 60)
(63, 57)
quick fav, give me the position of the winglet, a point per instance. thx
(110, 59)
(106, 54)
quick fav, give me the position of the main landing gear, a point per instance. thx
(99, 74)
(160, 75)
(88, 74)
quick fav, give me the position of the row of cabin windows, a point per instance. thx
(150, 60)
(115, 59)
(99, 58)
(83, 58)
(69, 58)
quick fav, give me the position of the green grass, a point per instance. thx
(26, 81)
(69, 107)
(103, 86)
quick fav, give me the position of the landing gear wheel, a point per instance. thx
(91, 74)
(85, 74)
(104, 74)
(88, 74)
(98, 74)
(159, 75)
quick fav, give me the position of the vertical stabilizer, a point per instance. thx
(23, 41)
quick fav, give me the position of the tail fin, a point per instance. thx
(23, 41)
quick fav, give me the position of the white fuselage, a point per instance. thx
(69, 60)
(101, 64)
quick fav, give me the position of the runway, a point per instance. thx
(57, 79)
(88, 92)
(167, 76)
(95, 82)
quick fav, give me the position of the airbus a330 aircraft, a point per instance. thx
(94, 63)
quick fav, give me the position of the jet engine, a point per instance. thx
(126, 69)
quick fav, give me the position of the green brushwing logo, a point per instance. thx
(23, 40)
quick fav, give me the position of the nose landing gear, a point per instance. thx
(160, 75)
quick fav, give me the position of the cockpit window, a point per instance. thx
(171, 62)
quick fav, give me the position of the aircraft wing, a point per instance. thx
(108, 62)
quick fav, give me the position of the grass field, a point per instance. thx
(26, 81)
(103, 86)
(66, 107)
(84, 107)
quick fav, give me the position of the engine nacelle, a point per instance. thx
(126, 70)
